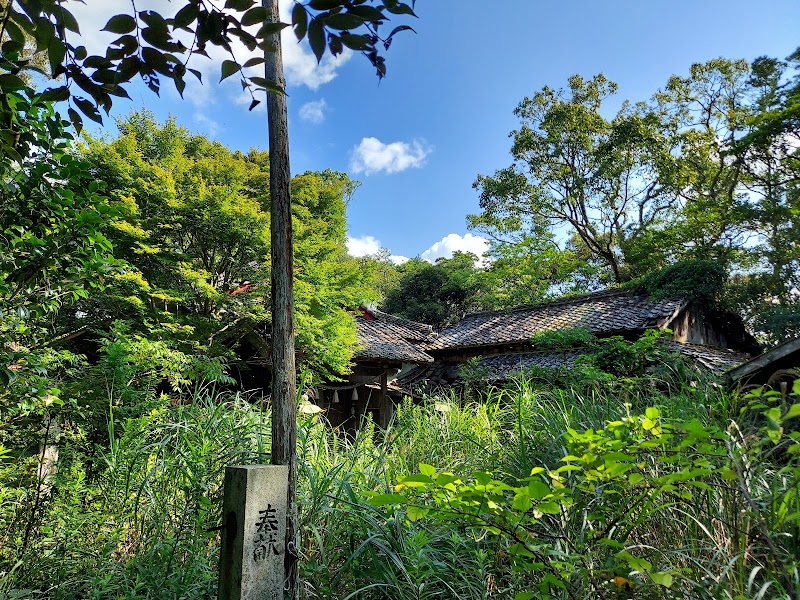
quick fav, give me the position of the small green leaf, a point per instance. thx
(255, 16)
(56, 94)
(794, 411)
(324, 4)
(414, 481)
(386, 499)
(550, 508)
(522, 502)
(482, 478)
(88, 109)
(229, 67)
(635, 478)
(186, 16)
(427, 470)
(10, 82)
(299, 21)
(240, 5)
(56, 51)
(367, 13)
(75, 119)
(316, 38)
(662, 578)
(267, 84)
(344, 21)
(356, 42)
(15, 32)
(401, 8)
(415, 513)
(444, 479)
(400, 28)
(252, 62)
(66, 18)
(120, 24)
(538, 489)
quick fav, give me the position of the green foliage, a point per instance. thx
(600, 518)
(529, 267)
(329, 284)
(52, 248)
(614, 359)
(384, 274)
(623, 358)
(437, 294)
(703, 171)
(193, 227)
(563, 339)
(152, 45)
(135, 520)
(699, 281)
(573, 167)
(53, 252)
(575, 495)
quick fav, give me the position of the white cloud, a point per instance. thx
(314, 112)
(453, 242)
(373, 156)
(363, 246)
(368, 245)
(207, 124)
(299, 64)
(93, 16)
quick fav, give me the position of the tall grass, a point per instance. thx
(137, 519)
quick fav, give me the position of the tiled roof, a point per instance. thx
(385, 337)
(410, 330)
(604, 312)
(501, 367)
(716, 360)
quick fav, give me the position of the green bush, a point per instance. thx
(657, 506)
(579, 491)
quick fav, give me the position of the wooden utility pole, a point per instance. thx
(284, 409)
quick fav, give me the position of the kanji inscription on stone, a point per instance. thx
(254, 535)
(265, 539)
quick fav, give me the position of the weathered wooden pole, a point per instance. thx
(284, 409)
(386, 403)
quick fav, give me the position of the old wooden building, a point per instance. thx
(777, 368)
(499, 343)
(388, 346)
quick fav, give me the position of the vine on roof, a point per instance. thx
(699, 281)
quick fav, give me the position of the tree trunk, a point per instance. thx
(284, 409)
(48, 461)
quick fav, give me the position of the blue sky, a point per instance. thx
(418, 139)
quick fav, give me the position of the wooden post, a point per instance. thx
(253, 545)
(386, 403)
(284, 408)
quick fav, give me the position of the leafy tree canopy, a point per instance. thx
(438, 294)
(53, 252)
(193, 226)
(156, 46)
(706, 170)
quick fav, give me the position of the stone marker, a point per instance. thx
(254, 533)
